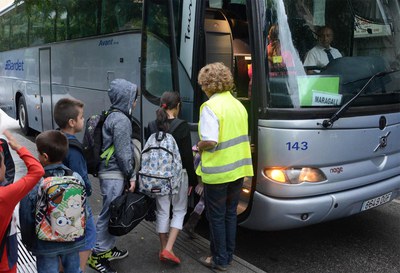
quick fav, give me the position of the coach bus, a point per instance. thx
(325, 145)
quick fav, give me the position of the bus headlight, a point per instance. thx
(295, 175)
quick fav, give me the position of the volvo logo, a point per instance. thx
(382, 142)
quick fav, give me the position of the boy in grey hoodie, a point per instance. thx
(117, 131)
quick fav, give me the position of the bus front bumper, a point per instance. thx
(268, 213)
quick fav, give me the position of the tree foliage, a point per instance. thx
(35, 22)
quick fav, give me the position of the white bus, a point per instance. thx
(325, 146)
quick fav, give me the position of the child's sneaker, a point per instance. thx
(99, 264)
(114, 254)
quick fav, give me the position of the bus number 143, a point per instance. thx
(297, 145)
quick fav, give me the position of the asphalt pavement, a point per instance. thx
(142, 242)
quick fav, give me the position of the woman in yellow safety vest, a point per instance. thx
(225, 160)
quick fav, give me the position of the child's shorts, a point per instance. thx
(90, 236)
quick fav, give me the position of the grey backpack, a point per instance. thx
(161, 165)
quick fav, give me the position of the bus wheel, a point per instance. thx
(23, 116)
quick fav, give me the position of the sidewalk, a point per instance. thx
(142, 242)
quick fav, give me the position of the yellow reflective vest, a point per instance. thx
(231, 158)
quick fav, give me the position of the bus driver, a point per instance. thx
(321, 54)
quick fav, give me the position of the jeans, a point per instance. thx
(110, 189)
(49, 264)
(90, 232)
(221, 201)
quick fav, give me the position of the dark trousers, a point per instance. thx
(221, 201)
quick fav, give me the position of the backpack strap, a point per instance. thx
(67, 172)
(153, 127)
(111, 110)
(108, 153)
(104, 114)
(73, 142)
(174, 124)
(172, 127)
(111, 149)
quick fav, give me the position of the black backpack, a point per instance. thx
(93, 141)
(128, 210)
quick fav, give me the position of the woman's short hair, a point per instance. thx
(54, 143)
(215, 78)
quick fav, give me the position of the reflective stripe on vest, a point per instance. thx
(228, 167)
(231, 142)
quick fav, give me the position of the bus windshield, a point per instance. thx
(321, 53)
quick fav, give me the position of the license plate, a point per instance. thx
(377, 201)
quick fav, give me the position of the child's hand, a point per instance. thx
(189, 190)
(199, 188)
(12, 141)
(132, 185)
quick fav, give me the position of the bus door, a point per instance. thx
(45, 88)
(159, 60)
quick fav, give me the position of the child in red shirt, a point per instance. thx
(10, 195)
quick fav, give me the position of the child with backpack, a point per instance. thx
(167, 121)
(60, 214)
(115, 170)
(68, 114)
(10, 195)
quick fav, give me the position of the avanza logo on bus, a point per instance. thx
(14, 65)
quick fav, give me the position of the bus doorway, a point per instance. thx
(226, 40)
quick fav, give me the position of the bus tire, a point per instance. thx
(23, 116)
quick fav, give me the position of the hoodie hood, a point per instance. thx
(122, 93)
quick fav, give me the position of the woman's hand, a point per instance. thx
(205, 145)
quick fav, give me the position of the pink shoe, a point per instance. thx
(161, 257)
(168, 256)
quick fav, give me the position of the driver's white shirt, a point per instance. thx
(317, 56)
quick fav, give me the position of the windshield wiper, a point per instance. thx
(329, 122)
